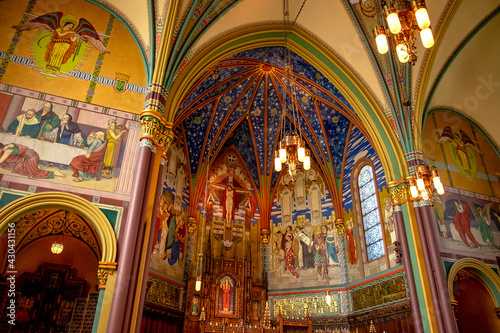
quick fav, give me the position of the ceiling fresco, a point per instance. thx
(240, 101)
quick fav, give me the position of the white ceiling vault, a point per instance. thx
(461, 72)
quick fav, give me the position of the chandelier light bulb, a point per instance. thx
(425, 195)
(382, 45)
(402, 52)
(420, 184)
(427, 38)
(414, 191)
(307, 163)
(393, 22)
(301, 151)
(282, 153)
(328, 298)
(422, 17)
(437, 182)
(57, 247)
(277, 164)
(197, 286)
(440, 189)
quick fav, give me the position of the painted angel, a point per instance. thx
(462, 149)
(65, 39)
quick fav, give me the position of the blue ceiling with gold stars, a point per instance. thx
(239, 102)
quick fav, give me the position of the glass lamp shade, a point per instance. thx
(403, 55)
(277, 161)
(328, 299)
(425, 195)
(197, 286)
(414, 191)
(382, 45)
(440, 189)
(57, 247)
(436, 181)
(282, 150)
(301, 151)
(422, 17)
(393, 22)
(420, 184)
(427, 38)
(307, 163)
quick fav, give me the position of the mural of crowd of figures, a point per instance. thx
(44, 137)
(169, 243)
(304, 242)
(468, 214)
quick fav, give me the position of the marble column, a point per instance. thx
(437, 267)
(127, 244)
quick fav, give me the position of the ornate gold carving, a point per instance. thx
(102, 276)
(191, 224)
(264, 233)
(399, 192)
(454, 306)
(156, 130)
(340, 225)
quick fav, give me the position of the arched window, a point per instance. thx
(370, 213)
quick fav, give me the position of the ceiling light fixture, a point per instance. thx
(291, 150)
(404, 19)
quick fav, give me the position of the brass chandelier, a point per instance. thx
(422, 185)
(291, 151)
(404, 19)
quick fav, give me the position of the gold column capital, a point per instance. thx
(340, 225)
(105, 269)
(264, 233)
(155, 128)
(192, 224)
(399, 191)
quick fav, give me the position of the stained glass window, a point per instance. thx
(370, 214)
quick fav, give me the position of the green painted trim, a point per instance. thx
(132, 33)
(414, 263)
(186, 48)
(379, 71)
(450, 61)
(152, 36)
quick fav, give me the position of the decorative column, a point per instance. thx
(265, 255)
(105, 270)
(150, 240)
(400, 193)
(437, 267)
(131, 245)
(342, 254)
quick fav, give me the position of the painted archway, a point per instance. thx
(70, 202)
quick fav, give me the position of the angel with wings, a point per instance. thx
(462, 149)
(65, 39)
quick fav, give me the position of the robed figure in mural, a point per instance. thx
(461, 220)
(226, 295)
(85, 165)
(65, 37)
(48, 121)
(25, 124)
(462, 149)
(286, 202)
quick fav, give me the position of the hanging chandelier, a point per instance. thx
(404, 19)
(291, 151)
(422, 185)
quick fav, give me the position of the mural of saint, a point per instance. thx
(484, 221)
(461, 221)
(25, 124)
(390, 224)
(64, 38)
(48, 121)
(316, 192)
(353, 259)
(462, 149)
(286, 203)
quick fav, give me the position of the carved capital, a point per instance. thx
(155, 129)
(340, 225)
(454, 306)
(102, 276)
(399, 192)
(191, 224)
(264, 233)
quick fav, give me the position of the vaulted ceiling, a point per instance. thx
(241, 107)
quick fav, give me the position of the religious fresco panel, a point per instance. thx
(467, 215)
(57, 141)
(304, 241)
